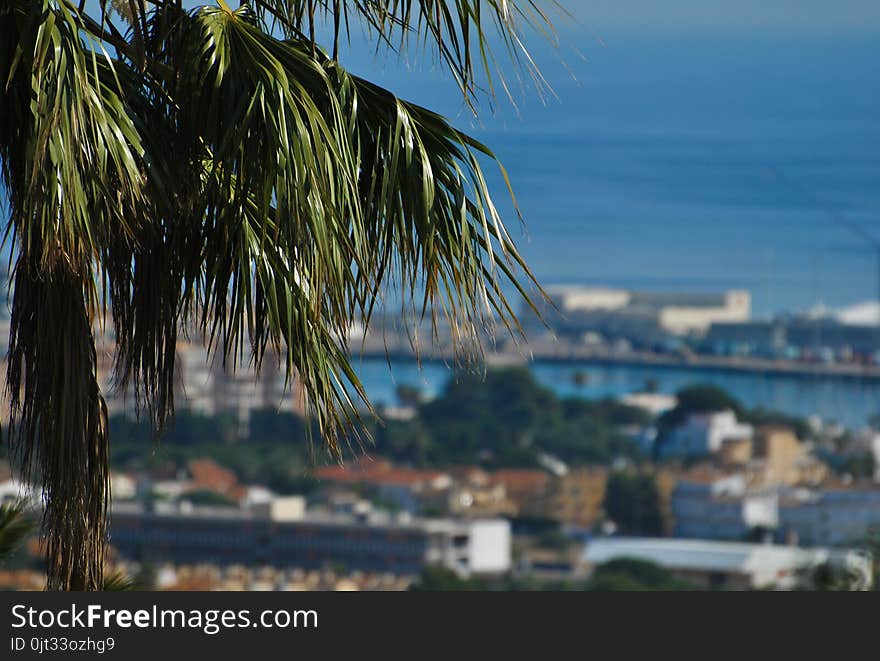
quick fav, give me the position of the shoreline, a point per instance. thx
(724, 364)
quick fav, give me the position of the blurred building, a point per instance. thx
(283, 534)
(643, 316)
(738, 506)
(654, 403)
(575, 498)
(722, 508)
(704, 434)
(523, 486)
(204, 385)
(407, 489)
(749, 338)
(776, 456)
(816, 337)
(461, 491)
(830, 516)
(731, 565)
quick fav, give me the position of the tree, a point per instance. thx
(632, 502)
(631, 574)
(827, 577)
(698, 398)
(702, 398)
(408, 395)
(440, 579)
(580, 378)
(761, 416)
(217, 172)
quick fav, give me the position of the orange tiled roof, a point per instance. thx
(207, 474)
(520, 478)
(380, 472)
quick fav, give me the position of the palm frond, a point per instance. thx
(74, 162)
(461, 34)
(15, 527)
(118, 582)
(215, 177)
(71, 164)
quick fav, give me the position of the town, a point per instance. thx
(499, 482)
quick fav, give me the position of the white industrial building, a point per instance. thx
(675, 313)
(655, 403)
(732, 564)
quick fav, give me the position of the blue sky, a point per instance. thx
(698, 14)
(776, 14)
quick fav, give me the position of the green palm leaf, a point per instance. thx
(217, 172)
(15, 527)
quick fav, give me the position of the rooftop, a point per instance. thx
(376, 472)
(706, 555)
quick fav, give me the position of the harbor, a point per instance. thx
(845, 400)
(595, 342)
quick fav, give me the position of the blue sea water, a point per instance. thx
(849, 402)
(651, 169)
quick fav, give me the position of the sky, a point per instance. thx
(697, 14)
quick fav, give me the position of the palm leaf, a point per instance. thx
(15, 527)
(220, 174)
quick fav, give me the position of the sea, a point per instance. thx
(684, 160)
(687, 160)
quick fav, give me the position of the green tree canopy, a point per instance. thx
(632, 502)
(699, 398)
(506, 418)
(634, 574)
(440, 579)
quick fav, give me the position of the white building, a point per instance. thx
(481, 546)
(875, 451)
(866, 313)
(703, 434)
(654, 403)
(12, 491)
(731, 564)
(123, 486)
(676, 313)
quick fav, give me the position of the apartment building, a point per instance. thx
(285, 534)
(830, 516)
